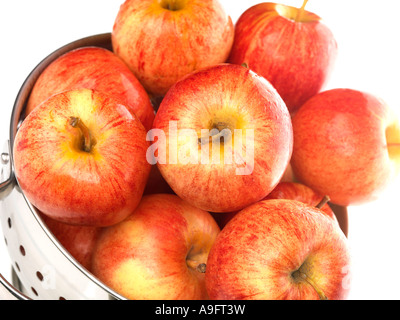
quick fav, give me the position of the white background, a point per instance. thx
(368, 36)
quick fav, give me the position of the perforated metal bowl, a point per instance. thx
(41, 267)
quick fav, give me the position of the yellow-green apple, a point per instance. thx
(80, 158)
(163, 40)
(290, 47)
(98, 69)
(222, 138)
(279, 249)
(79, 241)
(346, 145)
(159, 252)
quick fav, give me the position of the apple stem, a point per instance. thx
(172, 5)
(195, 265)
(324, 201)
(76, 122)
(301, 11)
(220, 126)
(298, 275)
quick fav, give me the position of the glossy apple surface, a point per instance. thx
(161, 41)
(98, 69)
(224, 98)
(279, 250)
(88, 172)
(159, 252)
(346, 145)
(290, 47)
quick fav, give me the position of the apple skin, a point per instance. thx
(259, 252)
(236, 96)
(79, 241)
(284, 190)
(288, 176)
(346, 145)
(96, 188)
(161, 46)
(154, 253)
(300, 192)
(296, 57)
(98, 69)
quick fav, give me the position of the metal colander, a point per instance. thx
(41, 267)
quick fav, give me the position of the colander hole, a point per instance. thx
(22, 250)
(34, 291)
(5, 240)
(39, 276)
(61, 298)
(17, 266)
(9, 223)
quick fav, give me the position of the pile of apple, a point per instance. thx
(124, 186)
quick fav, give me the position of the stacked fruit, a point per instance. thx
(220, 190)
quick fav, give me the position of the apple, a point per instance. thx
(346, 145)
(288, 176)
(276, 250)
(222, 138)
(79, 241)
(286, 190)
(300, 192)
(159, 252)
(161, 41)
(98, 69)
(290, 47)
(80, 158)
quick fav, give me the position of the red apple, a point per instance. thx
(98, 69)
(79, 241)
(80, 158)
(159, 252)
(279, 249)
(161, 41)
(290, 191)
(224, 138)
(346, 145)
(302, 193)
(288, 176)
(290, 47)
